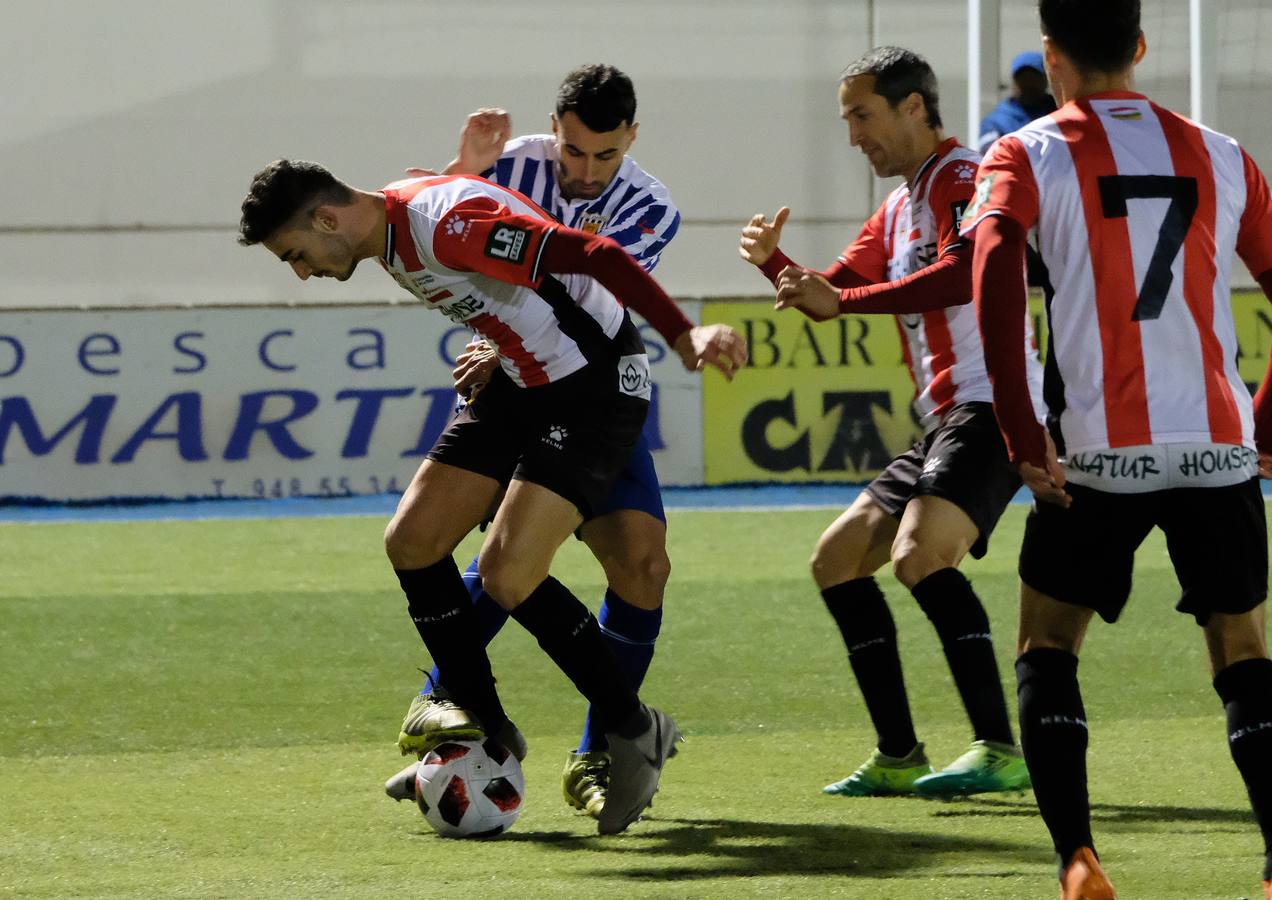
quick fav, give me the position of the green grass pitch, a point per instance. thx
(209, 709)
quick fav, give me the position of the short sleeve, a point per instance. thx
(482, 235)
(1005, 186)
(1254, 237)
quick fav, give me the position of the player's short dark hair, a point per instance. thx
(898, 73)
(1098, 35)
(601, 96)
(281, 190)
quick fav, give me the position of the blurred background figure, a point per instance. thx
(1027, 101)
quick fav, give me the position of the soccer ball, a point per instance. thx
(470, 788)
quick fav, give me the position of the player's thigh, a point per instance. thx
(856, 544)
(439, 508)
(1084, 554)
(1218, 543)
(631, 546)
(934, 534)
(529, 528)
(1047, 622)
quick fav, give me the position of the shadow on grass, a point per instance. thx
(1107, 813)
(722, 848)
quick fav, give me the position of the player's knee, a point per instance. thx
(504, 579)
(834, 562)
(911, 563)
(411, 548)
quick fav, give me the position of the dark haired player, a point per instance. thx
(1137, 213)
(941, 499)
(581, 176)
(555, 423)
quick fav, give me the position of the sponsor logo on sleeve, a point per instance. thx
(984, 187)
(509, 243)
(633, 376)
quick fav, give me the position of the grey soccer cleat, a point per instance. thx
(402, 785)
(635, 766)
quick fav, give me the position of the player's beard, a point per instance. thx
(575, 188)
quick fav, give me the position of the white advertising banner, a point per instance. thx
(254, 402)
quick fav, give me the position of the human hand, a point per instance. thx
(474, 367)
(481, 141)
(1047, 483)
(711, 345)
(807, 291)
(760, 237)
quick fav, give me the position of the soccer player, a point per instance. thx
(555, 423)
(582, 177)
(941, 499)
(1137, 213)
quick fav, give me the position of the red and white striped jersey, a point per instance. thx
(1137, 212)
(470, 249)
(909, 232)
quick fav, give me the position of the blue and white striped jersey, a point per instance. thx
(635, 210)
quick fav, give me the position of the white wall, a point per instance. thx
(129, 113)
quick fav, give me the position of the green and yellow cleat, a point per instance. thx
(987, 767)
(433, 719)
(585, 781)
(884, 776)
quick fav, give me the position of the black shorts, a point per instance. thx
(1217, 539)
(963, 460)
(572, 436)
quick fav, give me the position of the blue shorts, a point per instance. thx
(636, 486)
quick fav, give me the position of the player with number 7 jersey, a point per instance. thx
(1137, 213)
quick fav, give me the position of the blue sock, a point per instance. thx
(630, 632)
(490, 618)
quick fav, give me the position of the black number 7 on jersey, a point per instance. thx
(1115, 190)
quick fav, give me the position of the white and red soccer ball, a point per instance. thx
(470, 788)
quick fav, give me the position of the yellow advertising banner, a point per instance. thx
(831, 401)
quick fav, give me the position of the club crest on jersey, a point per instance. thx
(984, 188)
(508, 243)
(592, 222)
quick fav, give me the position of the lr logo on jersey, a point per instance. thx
(984, 188)
(508, 243)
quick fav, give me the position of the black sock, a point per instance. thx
(1053, 734)
(947, 598)
(567, 632)
(871, 637)
(443, 614)
(1246, 691)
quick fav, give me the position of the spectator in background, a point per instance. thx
(1028, 100)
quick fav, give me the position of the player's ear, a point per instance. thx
(631, 134)
(1141, 47)
(325, 219)
(556, 125)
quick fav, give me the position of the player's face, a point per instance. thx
(587, 159)
(313, 252)
(879, 129)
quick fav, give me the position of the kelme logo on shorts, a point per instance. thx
(556, 436)
(508, 243)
